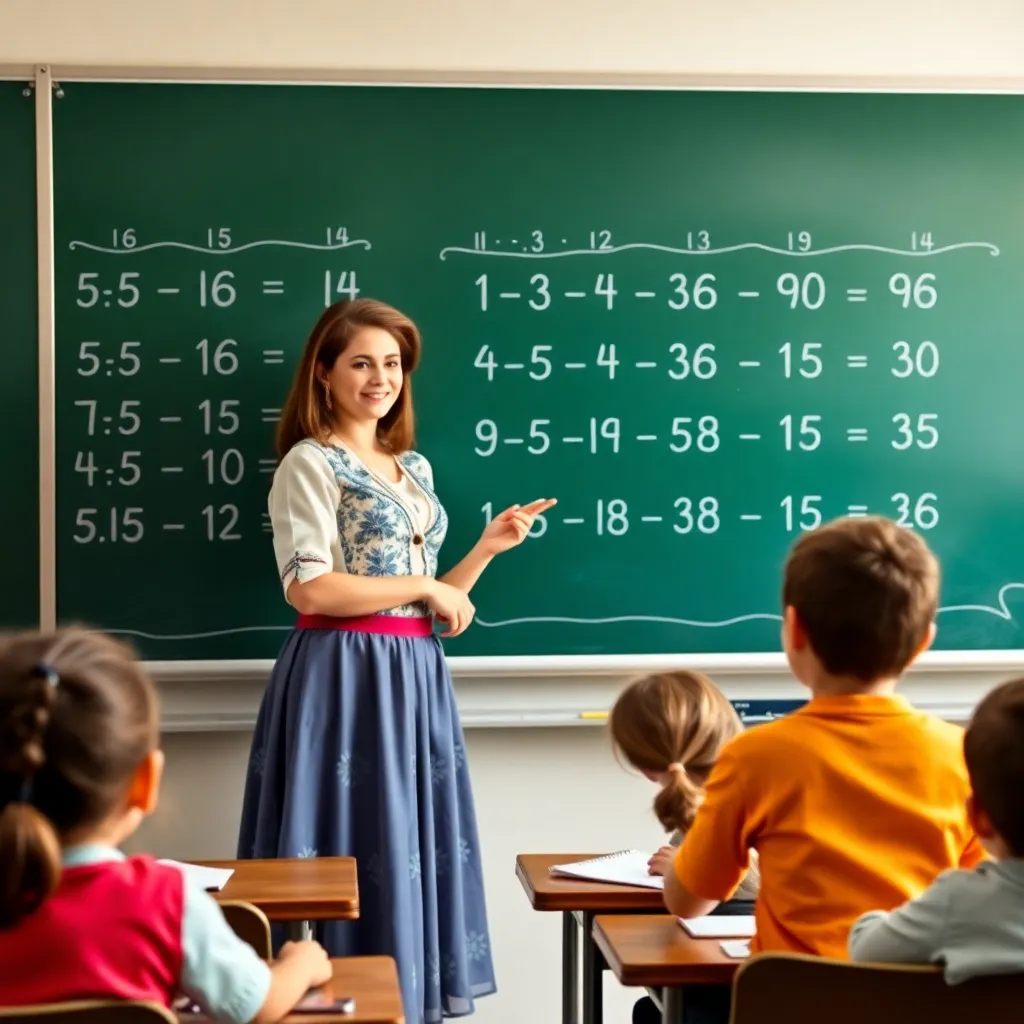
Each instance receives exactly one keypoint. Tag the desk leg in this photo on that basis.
(570, 969)
(672, 1005)
(593, 974)
(298, 931)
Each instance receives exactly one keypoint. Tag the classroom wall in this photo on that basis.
(537, 789)
(785, 37)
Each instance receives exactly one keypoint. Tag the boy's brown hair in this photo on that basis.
(994, 752)
(865, 592)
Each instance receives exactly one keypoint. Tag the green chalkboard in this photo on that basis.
(19, 417)
(700, 319)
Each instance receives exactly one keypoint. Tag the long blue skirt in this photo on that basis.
(358, 752)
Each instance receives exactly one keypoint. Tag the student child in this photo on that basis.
(971, 922)
(671, 727)
(856, 800)
(79, 769)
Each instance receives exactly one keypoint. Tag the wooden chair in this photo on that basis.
(810, 990)
(250, 924)
(92, 1011)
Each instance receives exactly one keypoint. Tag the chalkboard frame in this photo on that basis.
(47, 81)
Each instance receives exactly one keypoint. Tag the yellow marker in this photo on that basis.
(593, 714)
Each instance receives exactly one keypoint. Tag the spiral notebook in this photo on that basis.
(627, 867)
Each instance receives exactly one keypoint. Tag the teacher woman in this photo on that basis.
(358, 749)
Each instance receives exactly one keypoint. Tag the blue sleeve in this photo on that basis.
(219, 971)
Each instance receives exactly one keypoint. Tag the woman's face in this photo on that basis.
(366, 378)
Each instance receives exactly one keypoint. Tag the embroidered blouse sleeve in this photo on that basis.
(303, 507)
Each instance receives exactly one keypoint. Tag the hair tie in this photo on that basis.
(676, 768)
(46, 671)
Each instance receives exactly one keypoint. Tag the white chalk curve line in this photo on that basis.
(854, 246)
(198, 636)
(1002, 611)
(220, 252)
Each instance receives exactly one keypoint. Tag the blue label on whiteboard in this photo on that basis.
(753, 712)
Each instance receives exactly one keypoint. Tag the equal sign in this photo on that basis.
(647, 437)
(172, 469)
(857, 434)
(750, 437)
(169, 360)
(270, 415)
(857, 362)
(273, 356)
(857, 511)
(651, 519)
(265, 522)
(575, 295)
(749, 364)
(479, 240)
(750, 518)
(168, 291)
(174, 526)
(749, 295)
(515, 366)
(510, 295)
(573, 522)
(646, 366)
(273, 287)
(170, 419)
(856, 295)
(644, 295)
(268, 465)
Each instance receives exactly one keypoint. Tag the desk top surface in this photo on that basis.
(314, 888)
(551, 892)
(655, 950)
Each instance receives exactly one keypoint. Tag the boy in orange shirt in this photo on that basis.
(856, 801)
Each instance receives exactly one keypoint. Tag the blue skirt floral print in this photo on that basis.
(358, 750)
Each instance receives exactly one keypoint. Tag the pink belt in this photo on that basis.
(385, 625)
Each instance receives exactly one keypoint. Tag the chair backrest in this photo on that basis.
(250, 924)
(92, 1011)
(809, 990)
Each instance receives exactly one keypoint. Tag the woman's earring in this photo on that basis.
(327, 396)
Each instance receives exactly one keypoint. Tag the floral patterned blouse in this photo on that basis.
(331, 513)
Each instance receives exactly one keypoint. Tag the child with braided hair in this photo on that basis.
(79, 770)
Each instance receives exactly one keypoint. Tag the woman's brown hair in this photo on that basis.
(673, 723)
(306, 414)
(77, 718)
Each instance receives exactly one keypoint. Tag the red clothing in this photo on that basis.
(111, 930)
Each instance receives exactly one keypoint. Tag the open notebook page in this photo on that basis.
(627, 867)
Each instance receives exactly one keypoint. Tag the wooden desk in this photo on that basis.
(578, 902)
(656, 952)
(372, 981)
(296, 890)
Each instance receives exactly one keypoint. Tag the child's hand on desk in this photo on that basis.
(312, 957)
(661, 862)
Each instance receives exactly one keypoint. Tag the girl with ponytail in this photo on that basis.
(79, 769)
(670, 726)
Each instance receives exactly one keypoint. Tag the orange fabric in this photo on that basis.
(853, 803)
